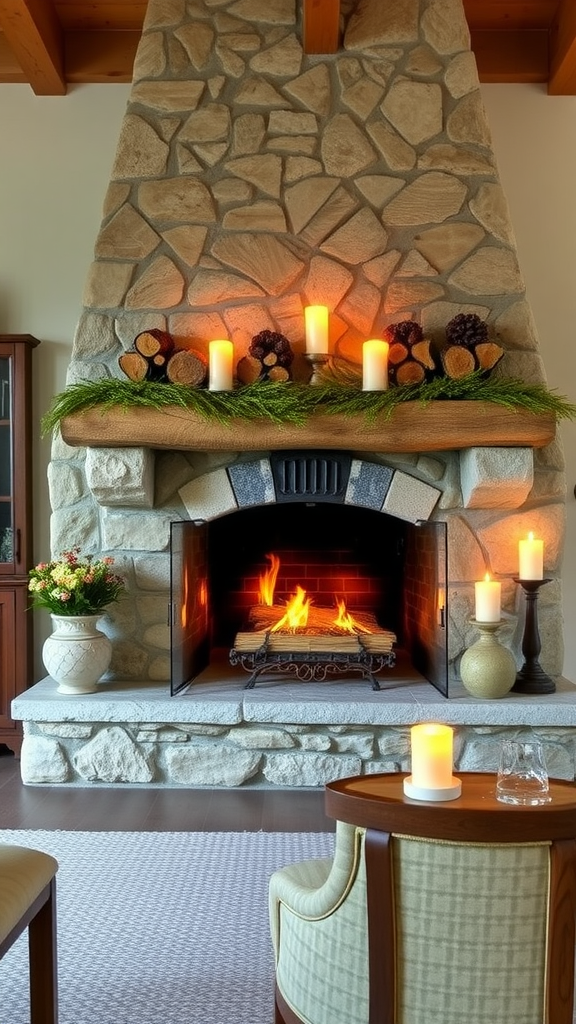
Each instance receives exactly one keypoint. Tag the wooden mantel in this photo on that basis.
(412, 427)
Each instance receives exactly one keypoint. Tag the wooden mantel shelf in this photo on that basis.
(412, 427)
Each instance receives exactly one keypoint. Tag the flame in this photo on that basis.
(267, 581)
(346, 621)
(296, 614)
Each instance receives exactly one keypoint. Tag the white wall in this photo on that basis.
(535, 141)
(55, 159)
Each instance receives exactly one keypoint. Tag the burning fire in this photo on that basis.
(267, 581)
(298, 606)
(296, 614)
(346, 621)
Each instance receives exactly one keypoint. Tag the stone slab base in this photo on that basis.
(285, 734)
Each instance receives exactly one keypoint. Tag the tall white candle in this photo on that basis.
(432, 755)
(316, 320)
(531, 557)
(375, 365)
(220, 370)
(488, 599)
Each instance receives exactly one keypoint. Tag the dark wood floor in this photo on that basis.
(156, 810)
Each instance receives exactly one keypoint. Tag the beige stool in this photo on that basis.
(28, 900)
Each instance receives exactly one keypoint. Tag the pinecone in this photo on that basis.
(466, 329)
(407, 332)
(270, 342)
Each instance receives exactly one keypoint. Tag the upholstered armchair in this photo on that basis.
(413, 928)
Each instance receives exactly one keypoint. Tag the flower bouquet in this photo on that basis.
(75, 586)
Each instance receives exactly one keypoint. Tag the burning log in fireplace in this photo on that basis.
(307, 641)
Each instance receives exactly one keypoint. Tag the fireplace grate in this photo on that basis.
(312, 666)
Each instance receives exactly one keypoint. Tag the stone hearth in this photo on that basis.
(280, 734)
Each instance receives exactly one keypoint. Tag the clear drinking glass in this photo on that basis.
(522, 776)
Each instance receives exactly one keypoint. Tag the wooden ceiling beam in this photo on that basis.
(10, 70)
(34, 33)
(100, 56)
(320, 26)
(49, 43)
(562, 80)
(511, 56)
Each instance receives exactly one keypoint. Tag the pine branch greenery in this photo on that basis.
(293, 403)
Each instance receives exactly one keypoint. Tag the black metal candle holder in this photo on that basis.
(532, 678)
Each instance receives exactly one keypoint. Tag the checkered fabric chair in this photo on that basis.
(28, 900)
(412, 930)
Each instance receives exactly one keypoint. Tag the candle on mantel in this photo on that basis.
(316, 319)
(531, 557)
(488, 598)
(375, 365)
(220, 371)
(432, 755)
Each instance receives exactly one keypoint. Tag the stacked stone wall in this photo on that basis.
(250, 180)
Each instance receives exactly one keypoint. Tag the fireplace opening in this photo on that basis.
(384, 571)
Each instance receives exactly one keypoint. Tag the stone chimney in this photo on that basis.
(251, 180)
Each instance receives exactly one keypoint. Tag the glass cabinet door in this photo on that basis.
(6, 468)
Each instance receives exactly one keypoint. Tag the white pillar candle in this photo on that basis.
(221, 359)
(375, 365)
(432, 755)
(316, 319)
(488, 598)
(531, 557)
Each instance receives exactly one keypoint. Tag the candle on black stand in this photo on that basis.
(532, 678)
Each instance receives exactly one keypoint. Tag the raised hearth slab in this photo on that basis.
(334, 703)
(281, 733)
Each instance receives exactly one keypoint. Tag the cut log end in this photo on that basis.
(134, 365)
(409, 372)
(154, 342)
(187, 367)
(278, 374)
(457, 361)
(249, 370)
(488, 355)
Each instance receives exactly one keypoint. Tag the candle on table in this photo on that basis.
(221, 358)
(531, 556)
(488, 598)
(432, 756)
(316, 319)
(375, 365)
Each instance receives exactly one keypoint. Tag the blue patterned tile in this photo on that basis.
(368, 484)
(252, 483)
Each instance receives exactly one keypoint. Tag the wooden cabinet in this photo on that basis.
(15, 525)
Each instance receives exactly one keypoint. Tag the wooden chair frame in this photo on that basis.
(40, 920)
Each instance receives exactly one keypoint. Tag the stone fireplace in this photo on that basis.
(332, 543)
(250, 180)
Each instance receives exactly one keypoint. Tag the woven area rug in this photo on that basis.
(160, 927)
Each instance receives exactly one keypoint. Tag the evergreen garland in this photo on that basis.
(292, 403)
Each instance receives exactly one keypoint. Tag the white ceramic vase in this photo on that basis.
(76, 654)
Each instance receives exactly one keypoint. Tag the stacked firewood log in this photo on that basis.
(269, 357)
(410, 357)
(154, 357)
(468, 348)
(413, 359)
